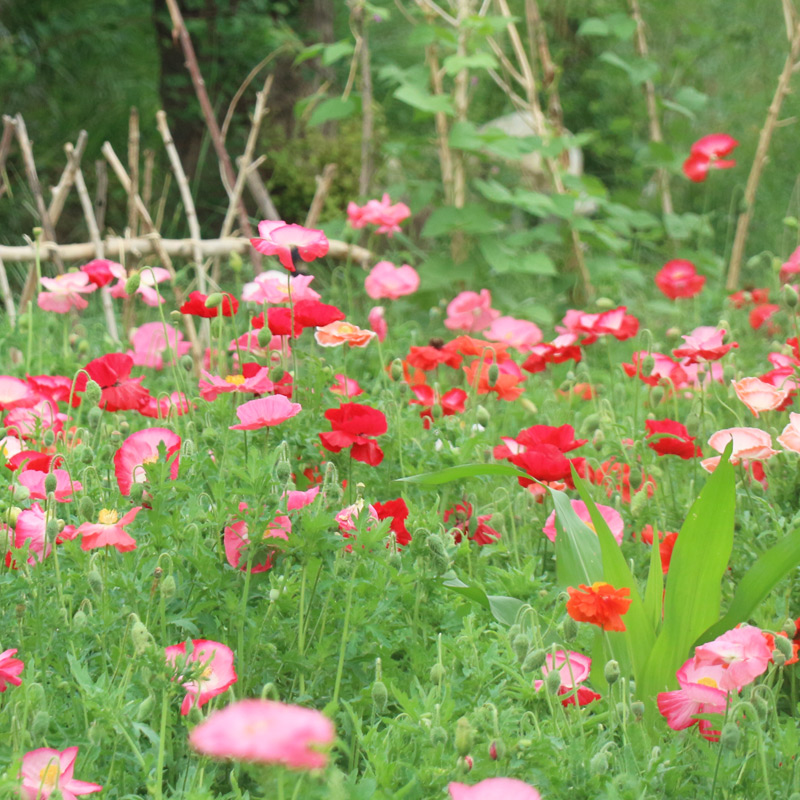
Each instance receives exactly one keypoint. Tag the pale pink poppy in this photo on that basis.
(266, 732)
(749, 444)
(471, 312)
(574, 668)
(703, 344)
(28, 423)
(44, 770)
(759, 396)
(64, 292)
(385, 280)
(288, 242)
(610, 515)
(34, 480)
(10, 669)
(10, 446)
(377, 322)
(108, 531)
(277, 287)
(265, 412)
(743, 654)
(517, 333)
(142, 448)
(378, 212)
(31, 528)
(790, 438)
(150, 344)
(149, 277)
(216, 660)
(346, 387)
(236, 540)
(15, 393)
(256, 381)
(494, 789)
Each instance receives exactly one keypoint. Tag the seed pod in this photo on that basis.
(464, 737)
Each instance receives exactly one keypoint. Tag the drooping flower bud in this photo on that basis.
(50, 483)
(464, 736)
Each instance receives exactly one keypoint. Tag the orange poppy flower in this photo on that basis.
(340, 332)
(601, 604)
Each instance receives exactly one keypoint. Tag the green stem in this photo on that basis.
(345, 632)
(162, 748)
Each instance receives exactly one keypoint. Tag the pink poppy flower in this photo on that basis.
(64, 292)
(346, 387)
(341, 332)
(574, 668)
(44, 770)
(759, 396)
(699, 694)
(749, 444)
(150, 345)
(615, 322)
(149, 277)
(790, 267)
(10, 669)
(237, 539)
(377, 322)
(494, 789)
(101, 271)
(517, 333)
(348, 518)
(166, 406)
(387, 280)
(265, 412)
(743, 654)
(679, 278)
(562, 348)
(55, 387)
(275, 287)
(34, 481)
(28, 423)
(253, 379)
(108, 531)
(378, 212)
(218, 674)
(296, 500)
(31, 528)
(707, 153)
(665, 370)
(703, 344)
(265, 732)
(470, 311)
(15, 393)
(142, 448)
(289, 242)
(610, 515)
(248, 343)
(790, 437)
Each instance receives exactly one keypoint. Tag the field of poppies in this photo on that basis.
(344, 541)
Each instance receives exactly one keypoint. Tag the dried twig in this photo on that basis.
(760, 160)
(8, 298)
(100, 193)
(367, 112)
(260, 194)
(60, 191)
(147, 187)
(323, 187)
(9, 128)
(133, 167)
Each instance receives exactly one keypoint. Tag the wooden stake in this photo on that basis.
(100, 193)
(61, 189)
(8, 298)
(323, 188)
(133, 167)
(9, 128)
(147, 189)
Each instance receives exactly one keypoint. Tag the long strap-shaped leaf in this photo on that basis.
(449, 474)
(577, 548)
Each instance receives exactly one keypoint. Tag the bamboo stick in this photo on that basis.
(100, 193)
(133, 167)
(61, 189)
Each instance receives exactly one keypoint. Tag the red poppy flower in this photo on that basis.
(196, 306)
(599, 604)
(506, 387)
(451, 402)
(615, 323)
(279, 322)
(616, 476)
(313, 314)
(562, 348)
(679, 278)
(464, 523)
(112, 373)
(668, 437)
(707, 153)
(397, 512)
(352, 424)
(762, 315)
(429, 357)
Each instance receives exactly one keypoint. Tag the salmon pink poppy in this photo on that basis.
(599, 604)
(759, 396)
(709, 153)
(236, 540)
(668, 437)
(385, 280)
(289, 242)
(64, 292)
(46, 770)
(610, 515)
(790, 436)
(216, 662)
(10, 669)
(265, 732)
(265, 412)
(378, 212)
(142, 448)
(109, 531)
(506, 386)
(341, 332)
(749, 444)
(493, 789)
(679, 278)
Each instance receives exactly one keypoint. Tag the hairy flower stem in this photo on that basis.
(301, 631)
(162, 746)
(345, 632)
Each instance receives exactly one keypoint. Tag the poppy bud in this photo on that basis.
(611, 672)
(637, 709)
(534, 660)
(283, 471)
(514, 630)
(761, 706)
(569, 629)
(137, 492)
(264, 336)
(599, 763)
(145, 708)
(168, 587)
(396, 370)
(438, 735)
(79, 620)
(464, 765)
(497, 749)
(49, 437)
(276, 373)
(591, 423)
(482, 416)
(19, 492)
(492, 374)
(656, 395)
(402, 388)
(552, 682)
(395, 560)
(639, 502)
(214, 300)
(784, 644)
(51, 530)
(789, 627)
(463, 737)
(729, 736)
(95, 580)
(647, 364)
(12, 515)
(598, 439)
(140, 636)
(605, 302)
(274, 594)
(132, 284)
(40, 724)
(380, 696)
(94, 416)
(778, 658)
(186, 362)
(520, 645)
(50, 483)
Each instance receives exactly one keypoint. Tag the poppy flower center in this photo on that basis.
(49, 776)
(708, 682)
(107, 517)
(591, 527)
(236, 380)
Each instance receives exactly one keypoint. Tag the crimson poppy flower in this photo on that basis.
(562, 348)
(668, 437)
(101, 271)
(600, 604)
(112, 372)
(679, 278)
(708, 153)
(762, 315)
(313, 314)
(451, 402)
(397, 512)
(289, 242)
(279, 322)
(428, 357)
(465, 523)
(352, 426)
(196, 306)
